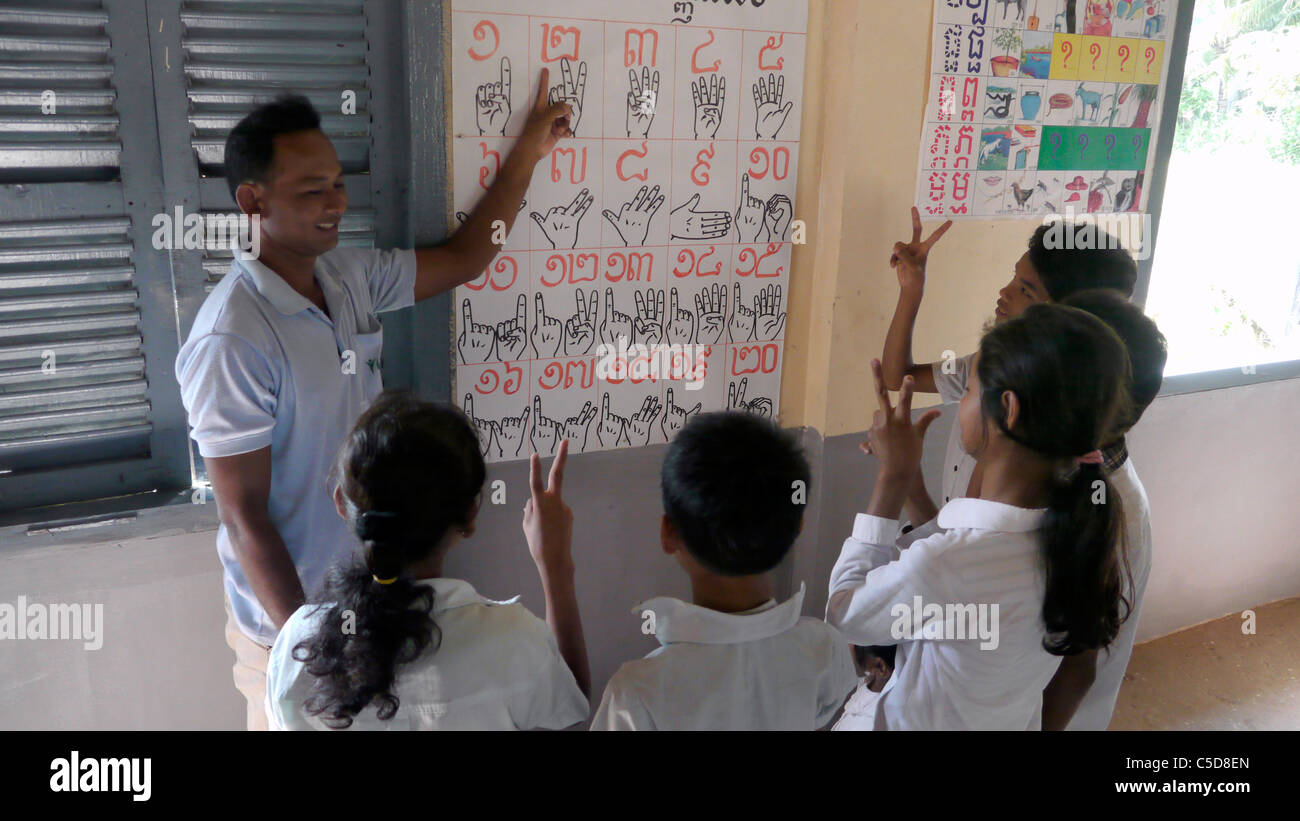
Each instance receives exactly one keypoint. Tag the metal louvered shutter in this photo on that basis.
(78, 404)
(233, 55)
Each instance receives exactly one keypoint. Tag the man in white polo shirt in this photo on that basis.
(285, 355)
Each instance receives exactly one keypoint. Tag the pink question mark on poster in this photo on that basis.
(1095, 51)
(1124, 54)
(1068, 50)
(1150, 54)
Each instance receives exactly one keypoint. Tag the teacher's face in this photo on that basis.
(303, 199)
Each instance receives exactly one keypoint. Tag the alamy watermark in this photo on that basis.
(1088, 231)
(239, 233)
(639, 362)
(950, 622)
(24, 621)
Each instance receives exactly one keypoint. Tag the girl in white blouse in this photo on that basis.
(985, 599)
(394, 645)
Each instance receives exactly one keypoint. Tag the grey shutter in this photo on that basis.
(87, 400)
(231, 55)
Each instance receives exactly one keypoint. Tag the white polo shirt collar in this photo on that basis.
(982, 514)
(449, 594)
(679, 622)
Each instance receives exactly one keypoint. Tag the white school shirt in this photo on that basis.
(958, 465)
(763, 669)
(264, 366)
(975, 552)
(497, 667)
(1098, 704)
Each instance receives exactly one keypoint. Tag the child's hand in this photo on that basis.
(909, 258)
(548, 522)
(893, 438)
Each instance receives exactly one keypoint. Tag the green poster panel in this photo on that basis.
(1079, 148)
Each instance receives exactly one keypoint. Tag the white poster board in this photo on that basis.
(666, 222)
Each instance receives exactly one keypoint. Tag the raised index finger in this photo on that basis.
(535, 475)
(905, 398)
(543, 89)
(882, 393)
(505, 76)
(938, 232)
(916, 225)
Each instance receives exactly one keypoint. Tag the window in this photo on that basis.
(1225, 281)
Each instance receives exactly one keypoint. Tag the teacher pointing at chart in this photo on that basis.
(284, 355)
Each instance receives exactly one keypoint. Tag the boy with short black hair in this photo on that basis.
(734, 492)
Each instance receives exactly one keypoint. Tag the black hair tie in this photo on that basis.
(375, 525)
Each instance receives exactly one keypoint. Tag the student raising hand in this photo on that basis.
(548, 527)
(897, 442)
(909, 258)
(548, 521)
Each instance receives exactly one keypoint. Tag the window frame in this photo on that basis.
(1200, 381)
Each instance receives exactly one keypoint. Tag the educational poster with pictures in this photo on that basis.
(1042, 106)
(646, 277)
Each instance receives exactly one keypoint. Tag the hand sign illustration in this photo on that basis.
(580, 330)
(689, 224)
(771, 114)
(633, 220)
(611, 431)
(711, 305)
(650, 317)
(771, 319)
(512, 334)
(485, 428)
(547, 333)
(560, 225)
(476, 342)
(571, 90)
(492, 103)
(680, 326)
(545, 433)
(511, 432)
(675, 418)
(760, 405)
(616, 323)
(751, 216)
(741, 328)
(641, 423)
(709, 94)
(641, 102)
(577, 427)
(778, 216)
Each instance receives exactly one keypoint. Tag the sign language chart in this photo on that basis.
(646, 278)
(1038, 107)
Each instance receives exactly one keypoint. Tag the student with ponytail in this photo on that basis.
(1031, 570)
(391, 643)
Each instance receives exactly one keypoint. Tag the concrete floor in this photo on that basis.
(1213, 677)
